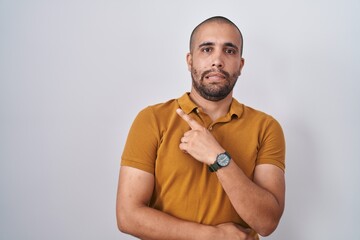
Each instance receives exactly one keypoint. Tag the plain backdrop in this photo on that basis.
(74, 74)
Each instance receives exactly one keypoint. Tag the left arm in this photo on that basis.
(260, 203)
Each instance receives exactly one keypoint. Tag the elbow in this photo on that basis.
(121, 225)
(266, 231)
(122, 222)
(124, 226)
(268, 228)
(269, 224)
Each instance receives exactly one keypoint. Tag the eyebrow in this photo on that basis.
(206, 44)
(227, 44)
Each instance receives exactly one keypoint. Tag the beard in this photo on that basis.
(213, 91)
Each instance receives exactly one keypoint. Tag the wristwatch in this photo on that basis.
(222, 160)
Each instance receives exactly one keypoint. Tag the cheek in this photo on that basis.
(197, 64)
(237, 70)
(190, 67)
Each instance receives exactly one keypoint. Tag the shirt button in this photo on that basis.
(197, 110)
(210, 128)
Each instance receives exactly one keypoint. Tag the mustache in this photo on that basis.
(226, 74)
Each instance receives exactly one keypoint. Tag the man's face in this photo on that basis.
(215, 60)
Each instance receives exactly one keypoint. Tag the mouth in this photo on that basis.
(215, 76)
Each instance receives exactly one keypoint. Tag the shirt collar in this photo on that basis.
(187, 105)
(236, 109)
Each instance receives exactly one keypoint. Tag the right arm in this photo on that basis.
(135, 217)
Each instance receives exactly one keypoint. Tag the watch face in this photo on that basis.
(223, 159)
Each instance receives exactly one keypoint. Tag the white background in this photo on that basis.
(73, 75)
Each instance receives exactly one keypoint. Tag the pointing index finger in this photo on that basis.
(192, 123)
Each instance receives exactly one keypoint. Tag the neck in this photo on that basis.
(215, 109)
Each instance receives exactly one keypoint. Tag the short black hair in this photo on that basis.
(219, 19)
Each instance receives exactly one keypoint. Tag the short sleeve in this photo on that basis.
(142, 142)
(272, 145)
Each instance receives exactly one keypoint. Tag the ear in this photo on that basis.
(189, 61)
(242, 62)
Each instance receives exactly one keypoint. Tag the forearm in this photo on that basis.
(258, 207)
(150, 224)
(135, 217)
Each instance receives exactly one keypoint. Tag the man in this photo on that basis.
(204, 166)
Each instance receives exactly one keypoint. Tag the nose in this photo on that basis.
(218, 61)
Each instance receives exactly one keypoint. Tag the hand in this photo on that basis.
(234, 232)
(199, 142)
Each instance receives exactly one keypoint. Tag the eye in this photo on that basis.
(206, 49)
(230, 51)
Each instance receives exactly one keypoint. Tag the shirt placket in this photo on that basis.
(207, 122)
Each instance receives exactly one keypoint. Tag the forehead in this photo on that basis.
(218, 33)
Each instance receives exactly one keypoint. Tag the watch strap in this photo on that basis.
(214, 167)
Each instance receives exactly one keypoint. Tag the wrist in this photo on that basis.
(222, 160)
(213, 155)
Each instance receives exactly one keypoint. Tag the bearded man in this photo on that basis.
(204, 166)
